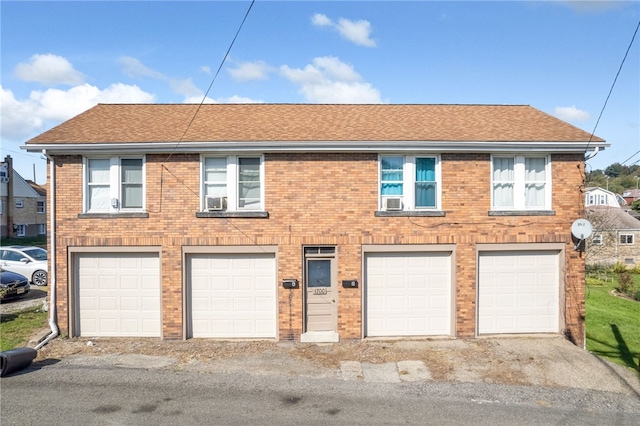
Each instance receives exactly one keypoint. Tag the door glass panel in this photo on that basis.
(318, 273)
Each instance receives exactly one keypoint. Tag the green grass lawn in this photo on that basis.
(613, 325)
(16, 329)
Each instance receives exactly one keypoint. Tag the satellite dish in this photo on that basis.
(581, 229)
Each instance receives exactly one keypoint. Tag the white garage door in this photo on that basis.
(233, 295)
(408, 294)
(118, 294)
(518, 292)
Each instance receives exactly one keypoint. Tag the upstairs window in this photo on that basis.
(114, 184)
(521, 183)
(409, 183)
(233, 183)
(40, 207)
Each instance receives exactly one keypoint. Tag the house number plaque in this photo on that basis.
(319, 291)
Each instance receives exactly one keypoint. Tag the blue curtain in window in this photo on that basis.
(426, 182)
(392, 176)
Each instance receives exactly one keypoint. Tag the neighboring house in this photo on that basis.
(631, 195)
(316, 222)
(23, 204)
(615, 237)
(595, 196)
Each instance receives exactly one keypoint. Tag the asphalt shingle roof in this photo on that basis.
(113, 123)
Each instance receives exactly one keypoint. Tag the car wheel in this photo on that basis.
(39, 278)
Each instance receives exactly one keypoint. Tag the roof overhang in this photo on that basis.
(312, 146)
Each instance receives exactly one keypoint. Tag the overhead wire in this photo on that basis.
(633, 37)
(612, 86)
(204, 98)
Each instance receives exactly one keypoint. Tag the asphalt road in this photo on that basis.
(64, 394)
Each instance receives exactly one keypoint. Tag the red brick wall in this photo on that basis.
(317, 199)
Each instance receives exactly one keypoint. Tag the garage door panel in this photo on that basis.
(408, 294)
(240, 292)
(118, 294)
(518, 292)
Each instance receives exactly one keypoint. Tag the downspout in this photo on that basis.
(593, 154)
(55, 331)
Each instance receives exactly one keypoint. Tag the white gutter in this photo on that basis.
(313, 146)
(55, 331)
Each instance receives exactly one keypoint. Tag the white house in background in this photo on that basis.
(595, 196)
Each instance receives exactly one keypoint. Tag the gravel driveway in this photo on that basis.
(549, 361)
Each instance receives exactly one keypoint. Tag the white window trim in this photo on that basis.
(597, 239)
(21, 230)
(44, 207)
(42, 229)
(115, 184)
(408, 196)
(519, 197)
(633, 240)
(19, 204)
(232, 182)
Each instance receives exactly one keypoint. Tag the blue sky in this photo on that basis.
(61, 58)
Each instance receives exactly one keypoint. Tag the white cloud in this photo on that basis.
(358, 32)
(205, 69)
(49, 69)
(17, 117)
(572, 114)
(22, 118)
(321, 20)
(257, 70)
(235, 99)
(328, 80)
(589, 6)
(185, 87)
(134, 68)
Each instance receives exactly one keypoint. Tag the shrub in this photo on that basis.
(625, 282)
(595, 281)
(620, 268)
(637, 295)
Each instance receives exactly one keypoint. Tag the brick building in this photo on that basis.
(316, 222)
(23, 204)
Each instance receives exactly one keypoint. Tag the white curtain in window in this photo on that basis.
(99, 198)
(535, 176)
(215, 177)
(503, 182)
(98, 190)
(249, 183)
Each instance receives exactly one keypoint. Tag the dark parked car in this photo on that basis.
(13, 285)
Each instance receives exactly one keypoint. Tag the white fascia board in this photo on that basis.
(312, 146)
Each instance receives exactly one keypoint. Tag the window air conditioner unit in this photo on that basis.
(4, 179)
(216, 203)
(393, 203)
